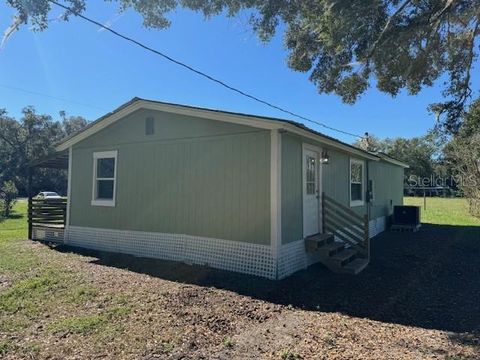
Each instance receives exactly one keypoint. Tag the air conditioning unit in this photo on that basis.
(406, 215)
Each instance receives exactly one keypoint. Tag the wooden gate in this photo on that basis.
(47, 219)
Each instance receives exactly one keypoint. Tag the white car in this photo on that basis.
(48, 195)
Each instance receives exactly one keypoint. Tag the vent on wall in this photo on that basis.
(149, 126)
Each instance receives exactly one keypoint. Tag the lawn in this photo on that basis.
(16, 226)
(418, 299)
(444, 211)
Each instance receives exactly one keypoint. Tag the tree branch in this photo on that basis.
(471, 54)
(447, 6)
(387, 27)
(7, 140)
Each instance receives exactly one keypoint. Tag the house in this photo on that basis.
(239, 192)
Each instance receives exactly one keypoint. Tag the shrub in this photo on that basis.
(8, 197)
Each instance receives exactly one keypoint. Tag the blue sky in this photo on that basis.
(97, 72)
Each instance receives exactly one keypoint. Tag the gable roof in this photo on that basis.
(392, 160)
(212, 114)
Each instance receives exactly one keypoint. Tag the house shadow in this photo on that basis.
(428, 279)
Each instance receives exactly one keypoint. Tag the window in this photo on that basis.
(104, 178)
(356, 182)
(310, 177)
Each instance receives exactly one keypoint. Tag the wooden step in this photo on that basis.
(355, 266)
(314, 242)
(331, 249)
(344, 257)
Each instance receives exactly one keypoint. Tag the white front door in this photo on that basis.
(311, 192)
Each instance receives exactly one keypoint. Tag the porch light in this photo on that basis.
(325, 159)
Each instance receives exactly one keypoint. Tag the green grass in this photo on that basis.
(4, 347)
(44, 292)
(15, 227)
(444, 211)
(22, 296)
(87, 324)
(289, 355)
(43, 287)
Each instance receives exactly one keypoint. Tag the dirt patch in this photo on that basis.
(418, 299)
(5, 282)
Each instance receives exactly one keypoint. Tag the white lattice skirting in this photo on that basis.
(221, 254)
(293, 257)
(217, 253)
(47, 234)
(377, 226)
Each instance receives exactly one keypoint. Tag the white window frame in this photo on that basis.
(96, 157)
(354, 203)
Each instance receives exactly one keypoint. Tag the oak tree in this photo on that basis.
(345, 46)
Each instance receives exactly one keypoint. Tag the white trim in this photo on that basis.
(69, 185)
(330, 142)
(104, 155)
(110, 203)
(242, 257)
(393, 161)
(276, 192)
(355, 203)
(318, 151)
(169, 108)
(253, 121)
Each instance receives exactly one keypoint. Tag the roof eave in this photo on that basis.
(249, 120)
(394, 161)
(330, 142)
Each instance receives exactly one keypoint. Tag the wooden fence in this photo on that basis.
(47, 213)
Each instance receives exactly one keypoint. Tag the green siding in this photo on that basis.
(388, 180)
(168, 127)
(292, 202)
(336, 179)
(388, 188)
(193, 176)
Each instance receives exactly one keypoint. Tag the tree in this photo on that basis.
(420, 153)
(72, 124)
(369, 143)
(8, 197)
(31, 138)
(344, 45)
(463, 154)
